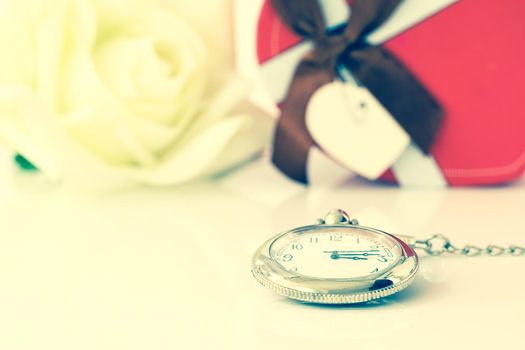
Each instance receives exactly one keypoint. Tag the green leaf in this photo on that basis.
(24, 164)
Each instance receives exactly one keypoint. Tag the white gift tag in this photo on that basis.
(352, 127)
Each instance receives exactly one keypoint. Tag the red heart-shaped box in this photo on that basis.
(470, 56)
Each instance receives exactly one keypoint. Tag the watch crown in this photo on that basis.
(337, 217)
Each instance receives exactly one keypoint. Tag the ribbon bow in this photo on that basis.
(373, 66)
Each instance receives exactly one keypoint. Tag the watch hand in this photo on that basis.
(335, 255)
(358, 251)
(351, 258)
(353, 253)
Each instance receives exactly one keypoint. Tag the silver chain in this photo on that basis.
(439, 244)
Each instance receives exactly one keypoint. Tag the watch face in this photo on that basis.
(334, 252)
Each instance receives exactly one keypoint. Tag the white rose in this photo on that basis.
(98, 91)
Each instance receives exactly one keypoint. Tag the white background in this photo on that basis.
(170, 268)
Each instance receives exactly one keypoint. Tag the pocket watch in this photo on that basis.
(338, 261)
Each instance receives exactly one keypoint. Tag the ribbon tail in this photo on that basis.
(399, 92)
(292, 141)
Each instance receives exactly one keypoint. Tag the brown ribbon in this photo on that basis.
(373, 66)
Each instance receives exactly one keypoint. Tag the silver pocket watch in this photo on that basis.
(338, 261)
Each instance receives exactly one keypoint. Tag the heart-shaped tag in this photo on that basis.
(352, 127)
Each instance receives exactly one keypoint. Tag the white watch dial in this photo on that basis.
(333, 253)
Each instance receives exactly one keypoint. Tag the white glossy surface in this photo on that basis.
(169, 269)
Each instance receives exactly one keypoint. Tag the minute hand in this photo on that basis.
(354, 255)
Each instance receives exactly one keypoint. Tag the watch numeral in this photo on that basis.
(297, 246)
(336, 237)
(314, 239)
(287, 257)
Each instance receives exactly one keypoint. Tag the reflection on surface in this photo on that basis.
(434, 269)
(170, 268)
(277, 318)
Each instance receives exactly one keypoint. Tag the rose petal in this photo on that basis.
(195, 158)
